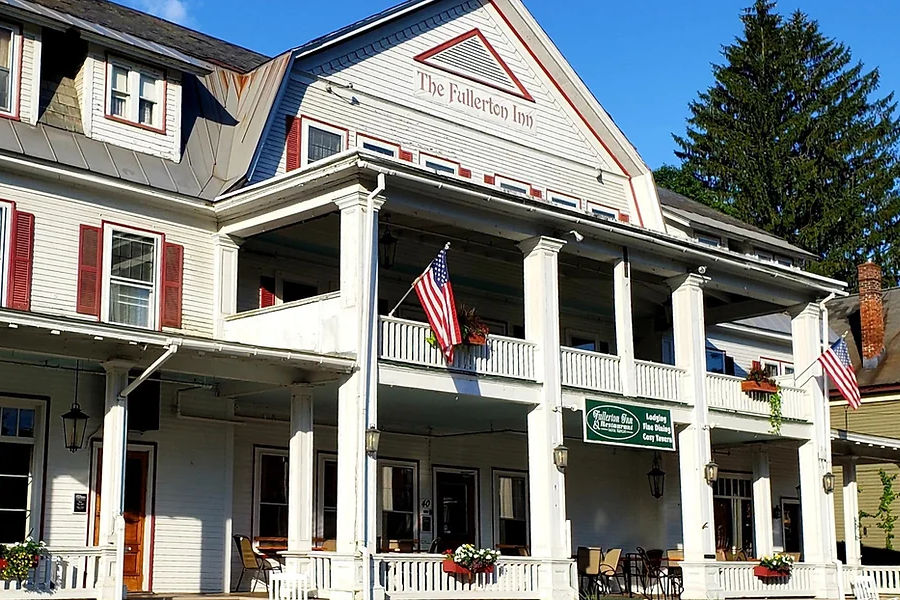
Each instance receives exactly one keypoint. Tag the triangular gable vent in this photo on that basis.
(471, 56)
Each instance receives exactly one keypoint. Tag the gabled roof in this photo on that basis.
(147, 27)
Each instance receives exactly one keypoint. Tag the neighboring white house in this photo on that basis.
(203, 248)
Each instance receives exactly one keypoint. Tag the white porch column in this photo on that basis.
(547, 484)
(851, 513)
(357, 399)
(698, 522)
(226, 282)
(112, 481)
(624, 326)
(300, 478)
(762, 504)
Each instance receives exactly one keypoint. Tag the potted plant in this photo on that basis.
(473, 329)
(19, 558)
(775, 566)
(758, 381)
(468, 561)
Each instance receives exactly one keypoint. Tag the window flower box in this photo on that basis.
(767, 573)
(759, 386)
(456, 569)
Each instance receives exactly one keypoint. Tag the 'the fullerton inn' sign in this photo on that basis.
(467, 98)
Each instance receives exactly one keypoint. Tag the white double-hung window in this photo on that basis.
(135, 94)
(9, 44)
(131, 280)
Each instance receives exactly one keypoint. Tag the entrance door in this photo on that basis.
(137, 463)
(456, 507)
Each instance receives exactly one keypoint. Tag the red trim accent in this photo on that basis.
(266, 291)
(406, 155)
(489, 179)
(171, 285)
(90, 272)
(292, 131)
(467, 173)
(163, 101)
(21, 261)
(536, 193)
(572, 104)
(320, 122)
(424, 56)
(624, 217)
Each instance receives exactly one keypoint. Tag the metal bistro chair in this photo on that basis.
(654, 579)
(251, 560)
(610, 571)
(588, 561)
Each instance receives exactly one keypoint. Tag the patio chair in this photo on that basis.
(588, 562)
(251, 560)
(655, 579)
(864, 588)
(435, 547)
(610, 571)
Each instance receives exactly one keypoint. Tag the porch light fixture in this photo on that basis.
(657, 478)
(373, 436)
(711, 472)
(387, 248)
(561, 457)
(75, 422)
(828, 482)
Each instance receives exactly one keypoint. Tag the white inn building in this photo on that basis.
(201, 247)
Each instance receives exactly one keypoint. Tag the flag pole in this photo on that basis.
(413, 285)
(825, 345)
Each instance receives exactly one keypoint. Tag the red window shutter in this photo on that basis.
(172, 279)
(490, 179)
(406, 155)
(536, 193)
(292, 143)
(90, 255)
(624, 218)
(266, 292)
(467, 173)
(21, 260)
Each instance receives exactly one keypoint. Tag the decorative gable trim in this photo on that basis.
(471, 56)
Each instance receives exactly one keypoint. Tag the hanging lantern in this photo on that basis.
(657, 478)
(373, 437)
(828, 482)
(387, 248)
(711, 472)
(75, 422)
(561, 457)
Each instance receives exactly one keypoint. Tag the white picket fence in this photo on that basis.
(590, 370)
(405, 341)
(724, 392)
(657, 381)
(421, 576)
(737, 580)
(70, 573)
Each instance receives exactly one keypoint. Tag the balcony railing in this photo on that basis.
(736, 580)
(590, 370)
(407, 342)
(724, 392)
(63, 573)
(655, 380)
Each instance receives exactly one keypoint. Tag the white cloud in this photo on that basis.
(171, 10)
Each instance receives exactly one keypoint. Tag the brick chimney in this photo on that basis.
(871, 314)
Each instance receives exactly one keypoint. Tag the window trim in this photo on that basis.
(593, 207)
(562, 200)
(362, 138)
(305, 123)
(496, 474)
(425, 157)
(775, 361)
(15, 76)
(499, 180)
(107, 230)
(379, 500)
(735, 499)
(135, 70)
(34, 521)
(258, 452)
(709, 236)
(7, 213)
(321, 458)
(711, 350)
(476, 474)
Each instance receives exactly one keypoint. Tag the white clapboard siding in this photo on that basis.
(29, 86)
(164, 145)
(556, 155)
(746, 349)
(58, 214)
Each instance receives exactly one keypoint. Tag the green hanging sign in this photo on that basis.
(628, 425)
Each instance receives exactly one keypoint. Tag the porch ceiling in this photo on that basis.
(866, 449)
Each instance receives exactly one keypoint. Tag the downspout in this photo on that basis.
(368, 325)
(154, 366)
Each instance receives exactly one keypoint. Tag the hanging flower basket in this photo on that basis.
(777, 566)
(468, 561)
(767, 573)
(766, 387)
(456, 569)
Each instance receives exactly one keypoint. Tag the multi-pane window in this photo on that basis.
(327, 486)
(8, 44)
(511, 504)
(322, 143)
(733, 508)
(398, 505)
(135, 95)
(133, 278)
(4, 245)
(17, 431)
(272, 483)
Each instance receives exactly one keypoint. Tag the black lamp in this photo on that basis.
(75, 422)
(828, 482)
(657, 478)
(387, 247)
(561, 457)
(711, 472)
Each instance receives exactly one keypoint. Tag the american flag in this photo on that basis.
(436, 295)
(836, 362)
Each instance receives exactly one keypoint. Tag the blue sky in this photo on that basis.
(644, 60)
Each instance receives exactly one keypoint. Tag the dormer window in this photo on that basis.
(136, 94)
(9, 77)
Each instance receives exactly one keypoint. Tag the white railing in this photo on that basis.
(590, 370)
(421, 576)
(71, 573)
(658, 381)
(736, 580)
(406, 342)
(319, 571)
(887, 578)
(724, 392)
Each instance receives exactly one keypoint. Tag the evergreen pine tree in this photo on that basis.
(791, 139)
